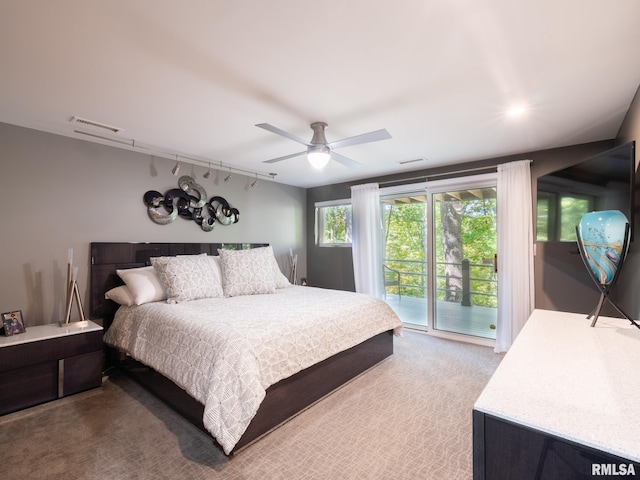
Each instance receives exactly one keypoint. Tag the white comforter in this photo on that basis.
(225, 352)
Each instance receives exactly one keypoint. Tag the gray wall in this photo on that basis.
(59, 193)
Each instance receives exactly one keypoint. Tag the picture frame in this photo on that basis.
(13, 323)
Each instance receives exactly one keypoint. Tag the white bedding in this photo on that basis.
(226, 352)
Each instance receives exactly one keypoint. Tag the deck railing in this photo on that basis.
(409, 278)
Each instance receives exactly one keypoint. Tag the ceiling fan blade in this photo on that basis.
(279, 159)
(363, 138)
(341, 159)
(282, 133)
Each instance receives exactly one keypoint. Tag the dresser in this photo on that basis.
(563, 403)
(48, 362)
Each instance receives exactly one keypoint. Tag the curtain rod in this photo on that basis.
(442, 174)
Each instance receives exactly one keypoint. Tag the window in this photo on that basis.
(333, 223)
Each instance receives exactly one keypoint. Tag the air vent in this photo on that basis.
(405, 162)
(91, 123)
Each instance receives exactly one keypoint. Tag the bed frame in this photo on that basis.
(283, 400)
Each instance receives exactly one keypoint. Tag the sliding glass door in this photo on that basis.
(463, 240)
(440, 256)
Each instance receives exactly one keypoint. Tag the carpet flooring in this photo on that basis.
(407, 418)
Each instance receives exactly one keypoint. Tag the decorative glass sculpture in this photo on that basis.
(603, 236)
(603, 241)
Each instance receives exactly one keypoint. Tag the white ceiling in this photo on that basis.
(193, 77)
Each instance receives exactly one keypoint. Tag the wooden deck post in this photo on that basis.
(466, 284)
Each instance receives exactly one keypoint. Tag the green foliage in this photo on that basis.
(479, 230)
(405, 236)
(336, 223)
(405, 242)
(479, 240)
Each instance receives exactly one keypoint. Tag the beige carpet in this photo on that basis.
(407, 418)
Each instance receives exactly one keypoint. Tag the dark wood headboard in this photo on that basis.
(106, 257)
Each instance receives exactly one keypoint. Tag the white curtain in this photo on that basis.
(515, 247)
(366, 238)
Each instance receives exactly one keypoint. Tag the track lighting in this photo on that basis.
(131, 144)
(255, 182)
(176, 168)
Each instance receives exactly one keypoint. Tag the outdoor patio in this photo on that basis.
(450, 316)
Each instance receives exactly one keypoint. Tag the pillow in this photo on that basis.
(121, 295)
(247, 272)
(215, 263)
(144, 285)
(188, 277)
(217, 270)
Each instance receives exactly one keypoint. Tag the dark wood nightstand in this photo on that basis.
(49, 362)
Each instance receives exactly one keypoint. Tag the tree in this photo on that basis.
(337, 223)
(472, 238)
(451, 231)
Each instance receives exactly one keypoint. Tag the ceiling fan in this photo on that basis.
(319, 151)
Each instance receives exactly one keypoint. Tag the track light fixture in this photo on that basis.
(131, 144)
(255, 182)
(176, 169)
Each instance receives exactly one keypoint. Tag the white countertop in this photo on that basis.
(45, 332)
(576, 382)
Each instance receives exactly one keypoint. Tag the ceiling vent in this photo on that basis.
(405, 162)
(90, 123)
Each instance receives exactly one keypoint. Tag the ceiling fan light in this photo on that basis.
(319, 156)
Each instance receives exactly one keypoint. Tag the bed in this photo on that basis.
(235, 362)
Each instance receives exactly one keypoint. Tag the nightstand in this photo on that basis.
(48, 362)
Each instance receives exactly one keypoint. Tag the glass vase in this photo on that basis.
(602, 235)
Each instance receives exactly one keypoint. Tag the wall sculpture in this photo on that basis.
(189, 201)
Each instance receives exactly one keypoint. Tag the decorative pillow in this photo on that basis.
(215, 264)
(247, 272)
(144, 285)
(188, 277)
(121, 295)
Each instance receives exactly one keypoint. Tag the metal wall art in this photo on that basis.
(189, 202)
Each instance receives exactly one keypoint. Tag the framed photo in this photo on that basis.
(13, 323)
